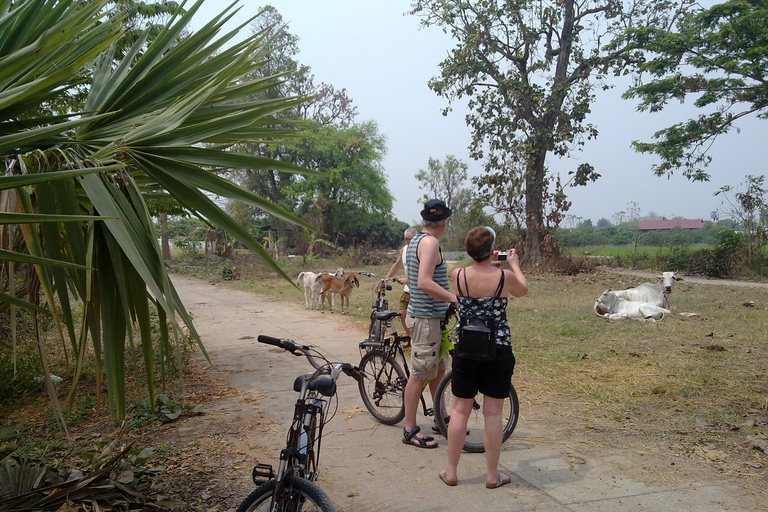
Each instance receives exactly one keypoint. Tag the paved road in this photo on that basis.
(365, 467)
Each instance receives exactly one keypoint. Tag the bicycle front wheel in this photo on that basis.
(299, 495)
(382, 387)
(476, 424)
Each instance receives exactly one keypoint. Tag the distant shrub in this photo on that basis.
(228, 272)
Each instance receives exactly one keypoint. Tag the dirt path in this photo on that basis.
(559, 462)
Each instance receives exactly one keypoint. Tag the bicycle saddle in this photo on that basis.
(323, 385)
(387, 315)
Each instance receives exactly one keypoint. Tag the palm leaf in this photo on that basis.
(22, 303)
(8, 182)
(35, 218)
(158, 120)
(26, 258)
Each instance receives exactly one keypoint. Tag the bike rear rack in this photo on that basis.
(369, 344)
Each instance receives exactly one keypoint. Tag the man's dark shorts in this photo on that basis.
(491, 378)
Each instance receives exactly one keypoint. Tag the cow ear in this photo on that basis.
(678, 279)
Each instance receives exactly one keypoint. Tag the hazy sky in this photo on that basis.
(384, 61)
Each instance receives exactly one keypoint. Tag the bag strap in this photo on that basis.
(458, 281)
(499, 288)
(501, 285)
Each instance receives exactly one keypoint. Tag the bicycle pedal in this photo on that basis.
(262, 473)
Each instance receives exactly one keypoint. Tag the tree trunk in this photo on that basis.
(164, 245)
(534, 211)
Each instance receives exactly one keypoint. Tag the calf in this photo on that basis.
(339, 273)
(341, 285)
(612, 307)
(655, 293)
(313, 288)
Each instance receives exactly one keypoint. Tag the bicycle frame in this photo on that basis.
(391, 348)
(301, 456)
(377, 327)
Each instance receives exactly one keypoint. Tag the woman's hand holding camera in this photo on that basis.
(512, 258)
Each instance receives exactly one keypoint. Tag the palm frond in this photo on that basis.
(159, 119)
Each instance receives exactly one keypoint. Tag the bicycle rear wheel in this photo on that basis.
(382, 387)
(300, 495)
(476, 423)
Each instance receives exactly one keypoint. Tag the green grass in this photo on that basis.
(619, 250)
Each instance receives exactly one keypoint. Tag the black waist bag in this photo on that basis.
(476, 338)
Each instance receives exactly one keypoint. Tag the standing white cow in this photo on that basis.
(313, 288)
(655, 293)
(610, 306)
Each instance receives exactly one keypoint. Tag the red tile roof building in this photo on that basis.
(665, 225)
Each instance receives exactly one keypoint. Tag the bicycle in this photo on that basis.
(383, 362)
(382, 389)
(292, 487)
(476, 424)
(378, 327)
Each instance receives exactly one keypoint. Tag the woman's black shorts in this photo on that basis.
(491, 378)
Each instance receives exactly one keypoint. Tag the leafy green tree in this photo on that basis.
(750, 209)
(346, 202)
(603, 223)
(718, 55)
(529, 69)
(72, 194)
(325, 105)
(443, 180)
(678, 237)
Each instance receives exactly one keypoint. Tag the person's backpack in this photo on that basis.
(476, 334)
(476, 338)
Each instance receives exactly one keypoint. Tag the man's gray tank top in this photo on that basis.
(422, 305)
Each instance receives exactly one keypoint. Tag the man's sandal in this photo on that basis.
(421, 442)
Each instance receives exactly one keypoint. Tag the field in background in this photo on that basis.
(617, 250)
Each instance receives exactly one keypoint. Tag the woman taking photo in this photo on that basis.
(482, 290)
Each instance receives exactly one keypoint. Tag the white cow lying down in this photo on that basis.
(656, 293)
(610, 306)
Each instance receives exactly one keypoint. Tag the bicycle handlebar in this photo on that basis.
(286, 344)
(370, 274)
(298, 349)
(450, 311)
(352, 371)
(291, 346)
